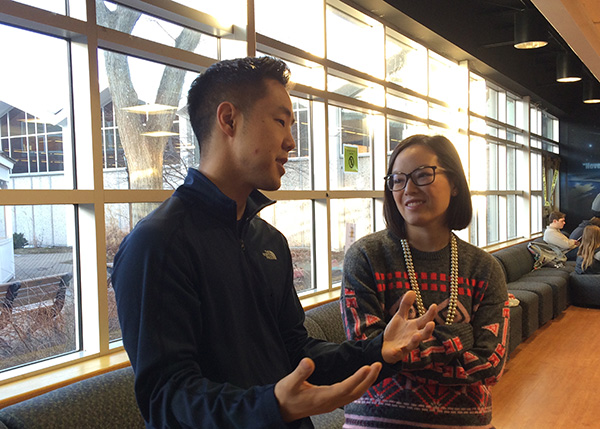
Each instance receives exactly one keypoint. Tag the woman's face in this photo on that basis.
(423, 206)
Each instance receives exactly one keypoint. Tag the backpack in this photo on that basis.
(546, 255)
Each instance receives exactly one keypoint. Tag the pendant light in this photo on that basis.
(591, 91)
(568, 68)
(530, 30)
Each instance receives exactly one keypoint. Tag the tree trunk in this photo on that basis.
(144, 154)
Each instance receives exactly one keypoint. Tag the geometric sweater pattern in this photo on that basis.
(445, 382)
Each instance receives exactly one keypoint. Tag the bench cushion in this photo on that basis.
(515, 260)
(103, 401)
(530, 303)
(333, 420)
(548, 272)
(515, 328)
(559, 290)
(325, 322)
(585, 290)
(544, 293)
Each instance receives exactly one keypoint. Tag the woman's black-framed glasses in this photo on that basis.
(422, 176)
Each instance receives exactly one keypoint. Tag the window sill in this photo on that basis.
(43, 382)
(319, 299)
(495, 247)
(30, 386)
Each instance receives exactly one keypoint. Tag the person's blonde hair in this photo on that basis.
(590, 242)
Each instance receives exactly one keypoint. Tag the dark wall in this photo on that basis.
(579, 171)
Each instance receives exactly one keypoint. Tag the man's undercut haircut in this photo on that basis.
(240, 81)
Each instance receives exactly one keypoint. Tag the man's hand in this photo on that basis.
(402, 334)
(297, 398)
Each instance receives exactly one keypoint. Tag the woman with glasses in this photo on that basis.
(446, 381)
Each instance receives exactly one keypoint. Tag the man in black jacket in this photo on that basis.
(209, 315)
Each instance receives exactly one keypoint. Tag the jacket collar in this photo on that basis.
(198, 188)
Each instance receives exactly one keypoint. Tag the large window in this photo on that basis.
(94, 134)
(35, 111)
(56, 6)
(406, 62)
(350, 220)
(295, 220)
(36, 146)
(273, 20)
(350, 130)
(354, 39)
(143, 128)
(39, 284)
(299, 168)
(502, 141)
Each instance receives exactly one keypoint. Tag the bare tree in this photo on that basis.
(144, 154)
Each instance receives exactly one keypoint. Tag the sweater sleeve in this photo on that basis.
(151, 279)
(333, 362)
(462, 353)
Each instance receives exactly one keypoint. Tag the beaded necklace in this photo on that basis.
(453, 278)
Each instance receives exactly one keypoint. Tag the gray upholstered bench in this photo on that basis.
(517, 263)
(103, 401)
(530, 302)
(585, 289)
(325, 323)
(515, 333)
(545, 297)
(558, 280)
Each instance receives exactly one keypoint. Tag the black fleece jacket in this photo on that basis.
(209, 315)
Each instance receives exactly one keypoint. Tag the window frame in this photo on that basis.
(89, 197)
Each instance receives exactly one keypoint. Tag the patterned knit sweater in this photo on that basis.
(445, 382)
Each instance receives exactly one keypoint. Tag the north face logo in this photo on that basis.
(268, 254)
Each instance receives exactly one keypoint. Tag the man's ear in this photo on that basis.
(227, 116)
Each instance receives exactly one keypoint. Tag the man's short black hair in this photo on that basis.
(240, 81)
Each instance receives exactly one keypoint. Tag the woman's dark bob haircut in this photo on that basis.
(460, 209)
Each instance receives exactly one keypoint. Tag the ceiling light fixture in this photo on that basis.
(568, 68)
(31, 120)
(150, 109)
(159, 134)
(591, 91)
(530, 30)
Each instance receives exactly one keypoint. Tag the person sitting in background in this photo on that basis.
(554, 236)
(577, 232)
(588, 255)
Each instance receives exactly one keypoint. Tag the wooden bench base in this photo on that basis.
(46, 294)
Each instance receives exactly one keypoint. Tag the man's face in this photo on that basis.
(263, 145)
(560, 223)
